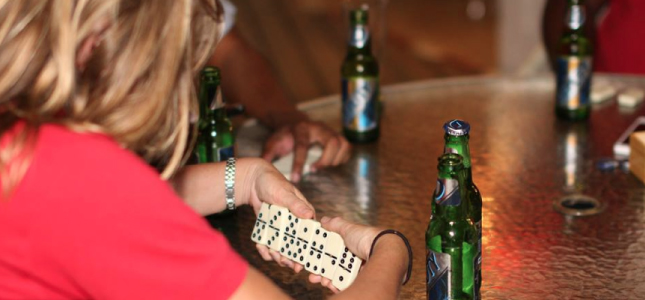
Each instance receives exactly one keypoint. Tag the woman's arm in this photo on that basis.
(256, 181)
(382, 276)
(202, 186)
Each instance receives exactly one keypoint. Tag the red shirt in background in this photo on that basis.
(92, 220)
(620, 44)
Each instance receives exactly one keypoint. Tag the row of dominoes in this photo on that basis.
(304, 241)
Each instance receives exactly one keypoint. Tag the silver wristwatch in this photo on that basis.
(229, 183)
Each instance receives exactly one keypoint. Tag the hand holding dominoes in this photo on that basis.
(305, 242)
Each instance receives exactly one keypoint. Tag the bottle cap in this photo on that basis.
(456, 127)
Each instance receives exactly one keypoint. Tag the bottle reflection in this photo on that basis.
(362, 181)
(575, 141)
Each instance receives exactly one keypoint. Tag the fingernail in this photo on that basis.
(295, 177)
(324, 220)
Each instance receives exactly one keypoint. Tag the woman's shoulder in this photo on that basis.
(81, 163)
(58, 145)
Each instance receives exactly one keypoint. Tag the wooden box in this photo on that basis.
(637, 154)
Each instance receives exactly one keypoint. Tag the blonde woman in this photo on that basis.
(91, 93)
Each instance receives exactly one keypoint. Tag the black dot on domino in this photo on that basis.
(342, 261)
(321, 247)
(260, 215)
(322, 270)
(351, 260)
(344, 255)
(308, 264)
(287, 245)
(318, 256)
(297, 220)
(302, 258)
(279, 213)
(325, 235)
(284, 239)
(282, 249)
(253, 235)
(293, 232)
(305, 229)
(346, 249)
(298, 243)
(263, 226)
(299, 251)
(269, 243)
(340, 278)
(311, 253)
(289, 254)
(317, 231)
(315, 268)
(289, 217)
(314, 243)
(277, 233)
(275, 218)
(291, 242)
(350, 266)
(333, 262)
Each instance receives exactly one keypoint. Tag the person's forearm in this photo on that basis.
(202, 186)
(247, 78)
(382, 276)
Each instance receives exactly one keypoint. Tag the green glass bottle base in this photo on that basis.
(579, 114)
(361, 137)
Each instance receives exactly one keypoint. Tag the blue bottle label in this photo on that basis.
(360, 96)
(225, 153)
(573, 81)
(437, 275)
(447, 192)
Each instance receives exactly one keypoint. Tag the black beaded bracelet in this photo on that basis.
(407, 244)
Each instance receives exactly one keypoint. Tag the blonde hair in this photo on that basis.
(137, 86)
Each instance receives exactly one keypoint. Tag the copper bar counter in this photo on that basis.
(523, 160)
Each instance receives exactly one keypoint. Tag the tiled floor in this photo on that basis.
(305, 41)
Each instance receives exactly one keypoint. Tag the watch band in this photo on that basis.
(229, 183)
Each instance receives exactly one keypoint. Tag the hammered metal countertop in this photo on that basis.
(523, 160)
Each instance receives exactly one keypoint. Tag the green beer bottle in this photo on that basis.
(215, 138)
(456, 138)
(360, 83)
(574, 67)
(451, 237)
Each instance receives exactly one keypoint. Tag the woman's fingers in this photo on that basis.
(264, 252)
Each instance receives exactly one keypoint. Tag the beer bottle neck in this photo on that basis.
(207, 95)
(459, 145)
(576, 16)
(450, 196)
(359, 40)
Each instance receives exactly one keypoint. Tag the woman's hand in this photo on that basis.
(358, 239)
(266, 184)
